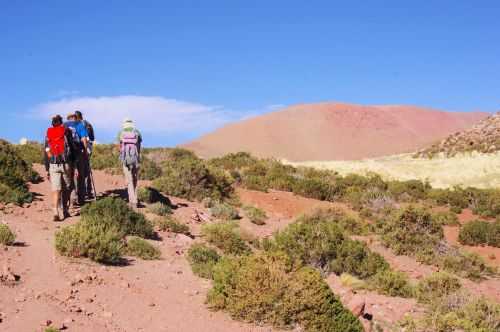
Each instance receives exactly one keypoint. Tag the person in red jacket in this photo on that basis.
(58, 158)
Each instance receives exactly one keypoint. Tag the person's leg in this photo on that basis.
(65, 191)
(55, 179)
(135, 175)
(80, 180)
(127, 172)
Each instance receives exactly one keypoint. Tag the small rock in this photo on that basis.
(125, 284)
(152, 304)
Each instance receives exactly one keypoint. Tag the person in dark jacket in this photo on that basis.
(89, 190)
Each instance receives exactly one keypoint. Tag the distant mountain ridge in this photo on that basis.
(335, 131)
(483, 137)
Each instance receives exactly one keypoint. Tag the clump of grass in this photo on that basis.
(202, 260)
(265, 288)
(141, 248)
(436, 286)
(7, 237)
(160, 209)
(479, 232)
(172, 225)
(225, 236)
(255, 215)
(392, 283)
(224, 211)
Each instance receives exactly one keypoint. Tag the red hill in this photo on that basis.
(335, 131)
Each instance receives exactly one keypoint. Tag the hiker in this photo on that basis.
(58, 157)
(79, 139)
(88, 185)
(130, 140)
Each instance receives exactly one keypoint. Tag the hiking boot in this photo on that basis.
(66, 214)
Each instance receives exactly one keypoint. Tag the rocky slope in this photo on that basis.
(484, 137)
(335, 131)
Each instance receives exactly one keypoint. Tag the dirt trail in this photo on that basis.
(144, 296)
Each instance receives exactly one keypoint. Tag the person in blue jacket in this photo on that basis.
(79, 145)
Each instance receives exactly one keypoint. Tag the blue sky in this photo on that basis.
(183, 68)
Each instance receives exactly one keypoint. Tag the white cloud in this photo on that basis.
(151, 114)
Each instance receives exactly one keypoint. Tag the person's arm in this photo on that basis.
(46, 151)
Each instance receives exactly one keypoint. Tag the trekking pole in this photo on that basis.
(93, 184)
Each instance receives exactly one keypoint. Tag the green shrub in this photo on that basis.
(392, 283)
(148, 169)
(189, 177)
(14, 175)
(480, 232)
(106, 157)
(150, 195)
(448, 218)
(463, 263)
(264, 288)
(202, 260)
(51, 329)
(114, 212)
(141, 248)
(160, 209)
(224, 236)
(436, 286)
(350, 224)
(457, 198)
(408, 191)
(458, 311)
(355, 258)
(172, 225)
(485, 202)
(31, 152)
(234, 161)
(7, 237)
(224, 211)
(411, 231)
(255, 215)
(99, 242)
(321, 243)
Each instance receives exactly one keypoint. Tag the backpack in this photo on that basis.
(129, 148)
(59, 145)
(90, 130)
(74, 140)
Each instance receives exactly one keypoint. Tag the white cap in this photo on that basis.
(128, 123)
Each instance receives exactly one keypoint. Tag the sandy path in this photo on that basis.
(144, 296)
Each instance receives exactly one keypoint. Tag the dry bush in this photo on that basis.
(265, 288)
